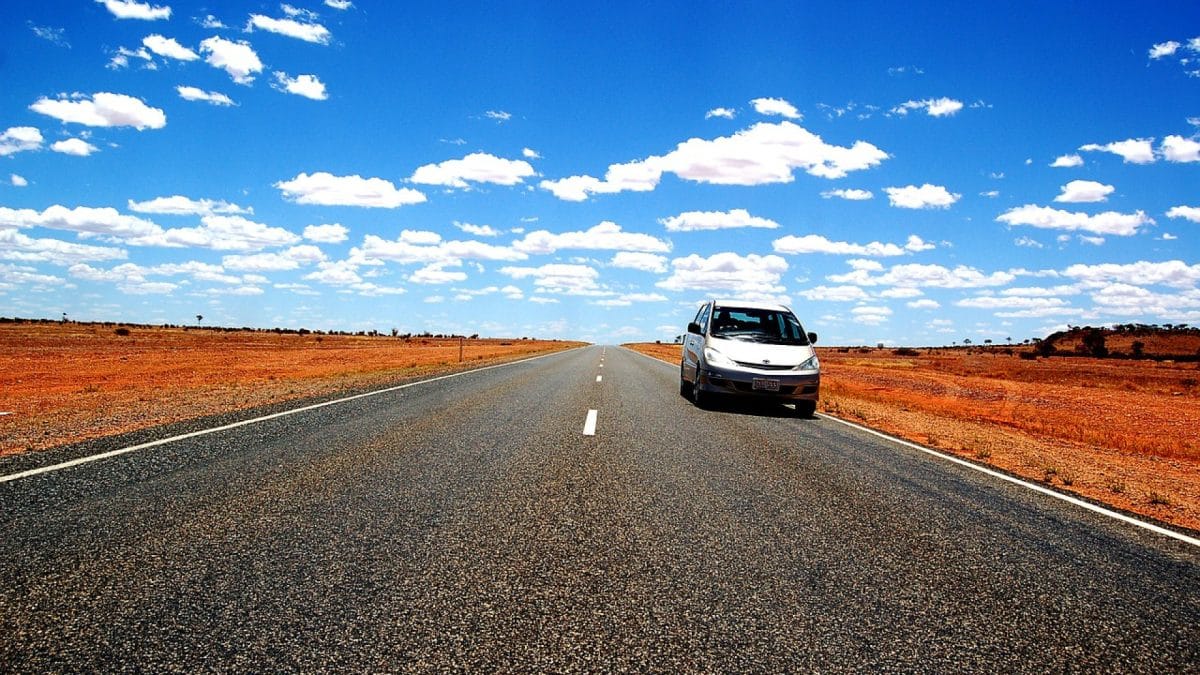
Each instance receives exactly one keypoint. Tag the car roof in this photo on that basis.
(748, 304)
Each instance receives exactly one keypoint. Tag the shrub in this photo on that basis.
(122, 331)
(1029, 356)
(905, 351)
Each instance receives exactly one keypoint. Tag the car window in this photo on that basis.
(758, 325)
(703, 320)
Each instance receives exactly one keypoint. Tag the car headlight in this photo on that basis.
(716, 358)
(809, 364)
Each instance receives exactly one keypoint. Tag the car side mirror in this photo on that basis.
(694, 327)
(812, 338)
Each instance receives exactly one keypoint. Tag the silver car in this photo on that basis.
(750, 349)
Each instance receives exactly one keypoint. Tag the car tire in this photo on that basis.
(806, 409)
(685, 389)
(700, 398)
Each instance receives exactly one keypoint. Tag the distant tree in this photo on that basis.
(64, 317)
(987, 341)
(1138, 348)
(967, 341)
(1094, 343)
(199, 318)
(1009, 340)
(1045, 348)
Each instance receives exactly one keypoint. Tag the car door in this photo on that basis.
(693, 345)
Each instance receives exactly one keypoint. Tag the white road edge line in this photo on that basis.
(234, 425)
(1003, 476)
(589, 425)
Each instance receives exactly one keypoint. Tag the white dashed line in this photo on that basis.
(589, 425)
(599, 378)
(2, 414)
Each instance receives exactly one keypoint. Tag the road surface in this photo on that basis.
(471, 523)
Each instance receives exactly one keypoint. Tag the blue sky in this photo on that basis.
(906, 173)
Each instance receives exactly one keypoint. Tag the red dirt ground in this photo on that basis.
(71, 382)
(1120, 432)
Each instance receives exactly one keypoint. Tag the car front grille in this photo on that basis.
(763, 366)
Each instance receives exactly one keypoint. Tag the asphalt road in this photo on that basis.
(469, 523)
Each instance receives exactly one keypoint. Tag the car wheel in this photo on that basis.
(806, 409)
(699, 397)
(685, 389)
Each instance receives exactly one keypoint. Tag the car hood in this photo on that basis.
(757, 352)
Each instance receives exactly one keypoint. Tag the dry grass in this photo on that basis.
(1122, 432)
(71, 382)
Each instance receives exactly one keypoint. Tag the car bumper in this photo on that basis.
(737, 382)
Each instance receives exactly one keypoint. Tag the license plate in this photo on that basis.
(762, 384)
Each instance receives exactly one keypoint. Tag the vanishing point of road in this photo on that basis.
(568, 513)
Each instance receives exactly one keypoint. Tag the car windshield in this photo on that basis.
(758, 325)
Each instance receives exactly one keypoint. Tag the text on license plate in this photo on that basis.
(763, 384)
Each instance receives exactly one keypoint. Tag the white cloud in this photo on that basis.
(339, 4)
(168, 47)
(196, 94)
(1084, 191)
(17, 181)
(940, 107)
(121, 58)
(325, 189)
(183, 206)
(645, 262)
(1045, 217)
(870, 315)
(1162, 49)
(19, 247)
(691, 221)
(815, 243)
(85, 220)
(560, 278)
(628, 299)
(763, 153)
(835, 294)
(1191, 213)
(499, 115)
(750, 275)
(923, 303)
(332, 233)
(851, 195)
(477, 167)
(435, 273)
(19, 139)
(775, 106)
(74, 146)
(238, 59)
(210, 21)
(530, 153)
(478, 230)
(308, 86)
(55, 36)
(604, 236)
(724, 113)
(10, 275)
(309, 32)
(339, 273)
(289, 259)
(1094, 241)
(924, 276)
(1180, 149)
(1028, 242)
(414, 247)
(1174, 273)
(221, 233)
(925, 197)
(1133, 150)
(131, 9)
(103, 109)
(1067, 161)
